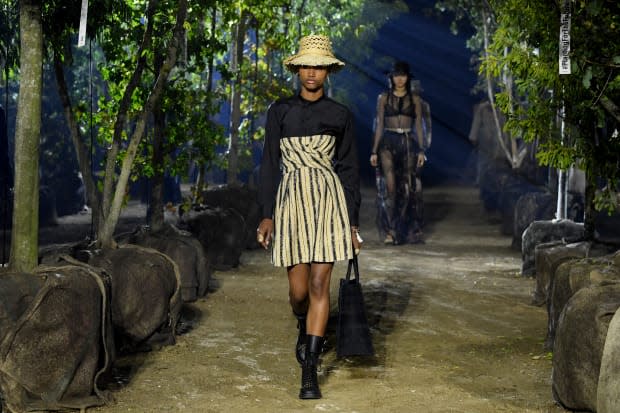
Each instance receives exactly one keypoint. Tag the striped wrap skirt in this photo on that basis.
(311, 222)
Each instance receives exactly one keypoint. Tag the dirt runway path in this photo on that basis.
(451, 321)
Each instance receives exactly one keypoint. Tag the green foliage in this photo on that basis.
(190, 102)
(191, 134)
(197, 90)
(351, 26)
(525, 43)
(9, 35)
(471, 14)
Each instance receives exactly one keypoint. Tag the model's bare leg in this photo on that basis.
(387, 166)
(419, 207)
(318, 314)
(298, 295)
(298, 284)
(318, 310)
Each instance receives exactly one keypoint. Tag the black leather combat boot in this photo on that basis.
(309, 380)
(300, 347)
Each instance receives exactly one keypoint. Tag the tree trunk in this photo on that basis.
(516, 156)
(25, 232)
(611, 107)
(106, 231)
(589, 213)
(235, 116)
(561, 209)
(109, 180)
(200, 184)
(6, 183)
(491, 94)
(83, 157)
(157, 181)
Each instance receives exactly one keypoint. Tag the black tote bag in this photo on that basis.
(353, 335)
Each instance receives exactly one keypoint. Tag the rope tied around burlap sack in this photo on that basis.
(52, 399)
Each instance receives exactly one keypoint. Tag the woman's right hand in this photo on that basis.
(264, 232)
(374, 160)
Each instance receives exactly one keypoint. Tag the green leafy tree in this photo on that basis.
(140, 81)
(9, 39)
(184, 133)
(572, 118)
(125, 31)
(527, 43)
(273, 29)
(481, 16)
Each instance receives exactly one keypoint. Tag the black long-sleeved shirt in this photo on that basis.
(296, 117)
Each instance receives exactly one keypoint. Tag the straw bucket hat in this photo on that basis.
(314, 50)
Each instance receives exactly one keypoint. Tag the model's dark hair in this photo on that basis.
(400, 67)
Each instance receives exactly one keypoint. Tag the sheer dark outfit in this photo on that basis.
(397, 212)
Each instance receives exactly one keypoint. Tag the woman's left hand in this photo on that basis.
(264, 232)
(357, 240)
(421, 159)
(374, 160)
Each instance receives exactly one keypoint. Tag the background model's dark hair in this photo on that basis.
(400, 68)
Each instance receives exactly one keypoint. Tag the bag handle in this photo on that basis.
(353, 263)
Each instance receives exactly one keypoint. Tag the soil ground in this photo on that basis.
(452, 327)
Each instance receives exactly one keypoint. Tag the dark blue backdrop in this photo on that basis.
(441, 61)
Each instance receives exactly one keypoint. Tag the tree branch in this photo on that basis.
(106, 233)
(81, 150)
(610, 107)
(119, 125)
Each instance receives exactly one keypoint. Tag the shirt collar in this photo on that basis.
(309, 102)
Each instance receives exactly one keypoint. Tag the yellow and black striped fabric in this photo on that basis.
(311, 219)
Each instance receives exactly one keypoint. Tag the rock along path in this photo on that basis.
(452, 326)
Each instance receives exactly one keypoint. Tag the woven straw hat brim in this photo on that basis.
(314, 50)
(311, 59)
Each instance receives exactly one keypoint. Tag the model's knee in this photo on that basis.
(299, 301)
(297, 297)
(319, 287)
